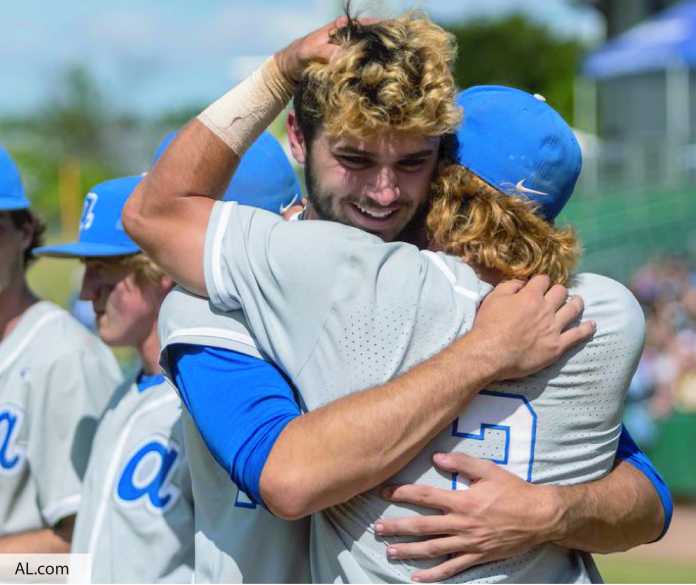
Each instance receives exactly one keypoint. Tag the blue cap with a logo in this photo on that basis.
(264, 178)
(101, 230)
(520, 145)
(11, 190)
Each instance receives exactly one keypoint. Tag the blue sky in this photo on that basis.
(157, 55)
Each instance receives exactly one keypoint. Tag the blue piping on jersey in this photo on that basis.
(145, 381)
(240, 405)
(629, 451)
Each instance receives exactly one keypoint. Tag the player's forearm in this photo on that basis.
(168, 212)
(203, 156)
(48, 540)
(167, 215)
(331, 454)
(613, 514)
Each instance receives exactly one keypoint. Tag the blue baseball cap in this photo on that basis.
(264, 178)
(11, 190)
(519, 145)
(101, 230)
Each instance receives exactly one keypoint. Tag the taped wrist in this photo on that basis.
(244, 112)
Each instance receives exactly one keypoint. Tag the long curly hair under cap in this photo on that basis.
(470, 219)
(392, 75)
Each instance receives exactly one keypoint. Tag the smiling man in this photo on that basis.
(386, 203)
(377, 182)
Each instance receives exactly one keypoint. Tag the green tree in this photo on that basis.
(76, 115)
(521, 53)
(72, 126)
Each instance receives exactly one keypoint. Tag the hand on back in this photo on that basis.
(527, 327)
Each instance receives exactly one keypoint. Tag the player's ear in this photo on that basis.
(296, 139)
(167, 284)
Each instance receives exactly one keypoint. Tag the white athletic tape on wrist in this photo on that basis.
(244, 112)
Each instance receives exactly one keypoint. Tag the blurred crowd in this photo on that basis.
(665, 381)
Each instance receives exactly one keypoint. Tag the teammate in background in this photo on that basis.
(170, 209)
(55, 379)
(136, 514)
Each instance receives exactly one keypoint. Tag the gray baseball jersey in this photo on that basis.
(55, 379)
(236, 541)
(339, 310)
(136, 515)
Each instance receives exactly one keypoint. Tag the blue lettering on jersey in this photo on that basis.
(484, 433)
(497, 421)
(148, 474)
(243, 501)
(11, 456)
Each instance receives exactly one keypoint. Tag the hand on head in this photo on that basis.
(316, 46)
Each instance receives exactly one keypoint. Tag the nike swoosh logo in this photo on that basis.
(283, 209)
(522, 189)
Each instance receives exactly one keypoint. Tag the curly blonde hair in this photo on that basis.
(392, 75)
(470, 219)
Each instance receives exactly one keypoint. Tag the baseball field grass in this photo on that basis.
(55, 279)
(671, 560)
(628, 569)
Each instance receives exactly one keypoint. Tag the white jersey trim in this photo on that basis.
(21, 346)
(116, 460)
(447, 271)
(178, 334)
(61, 509)
(216, 260)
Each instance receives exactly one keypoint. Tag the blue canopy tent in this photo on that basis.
(665, 42)
(662, 49)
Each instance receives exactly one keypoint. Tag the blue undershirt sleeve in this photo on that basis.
(240, 405)
(629, 451)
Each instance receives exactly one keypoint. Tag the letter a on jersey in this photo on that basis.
(11, 456)
(148, 474)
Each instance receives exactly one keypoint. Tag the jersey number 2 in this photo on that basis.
(500, 427)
